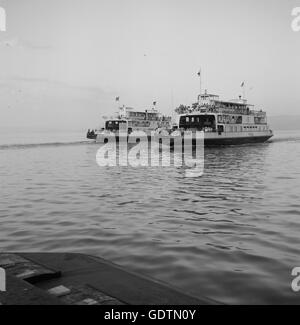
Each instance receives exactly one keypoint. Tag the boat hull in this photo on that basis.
(236, 140)
(209, 139)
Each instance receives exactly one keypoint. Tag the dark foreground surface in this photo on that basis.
(54, 279)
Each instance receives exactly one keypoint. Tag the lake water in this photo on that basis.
(232, 235)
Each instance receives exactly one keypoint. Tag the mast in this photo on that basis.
(200, 84)
(244, 90)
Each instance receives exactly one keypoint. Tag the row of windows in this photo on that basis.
(230, 119)
(250, 127)
(192, 119)
(246, 128)
(256, 127)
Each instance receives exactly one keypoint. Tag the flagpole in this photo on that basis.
(200, 81)
(244, 90)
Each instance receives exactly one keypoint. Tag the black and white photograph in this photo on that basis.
(149, 155)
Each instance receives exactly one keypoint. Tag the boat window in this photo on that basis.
(198, 122)
(114, 125)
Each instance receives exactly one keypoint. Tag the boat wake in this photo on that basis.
(289, 138)
(43, 144)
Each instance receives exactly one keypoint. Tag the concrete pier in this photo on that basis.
(76, 279)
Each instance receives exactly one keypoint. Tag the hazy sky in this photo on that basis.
(63, 62)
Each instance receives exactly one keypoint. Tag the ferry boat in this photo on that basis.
(224, 122)
(129, 120)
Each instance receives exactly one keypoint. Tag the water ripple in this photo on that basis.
(231, 235)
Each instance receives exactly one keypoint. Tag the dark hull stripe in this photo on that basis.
(233, 141)
(221, 141)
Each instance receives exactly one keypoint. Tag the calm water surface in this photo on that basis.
(232, 235)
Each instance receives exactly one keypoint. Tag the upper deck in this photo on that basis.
(129, 113)
(130, 119)
(209, 103)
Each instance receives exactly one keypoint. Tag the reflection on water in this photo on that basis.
(231, 235)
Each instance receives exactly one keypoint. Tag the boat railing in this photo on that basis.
(258, 113)
(224, 110)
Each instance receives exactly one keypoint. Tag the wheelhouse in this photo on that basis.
(198, 122)
(114, 125)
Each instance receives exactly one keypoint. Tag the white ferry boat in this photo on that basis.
(128, 120)
(224, 122)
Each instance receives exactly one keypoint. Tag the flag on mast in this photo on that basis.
(199, 73)
(244, 90)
